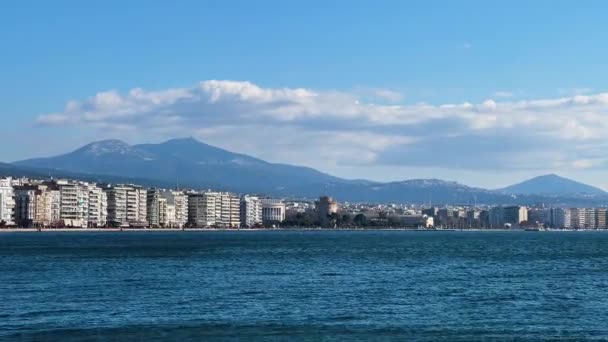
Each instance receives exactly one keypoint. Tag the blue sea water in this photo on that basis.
(304, 285)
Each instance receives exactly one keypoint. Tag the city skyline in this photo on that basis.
(427, 92)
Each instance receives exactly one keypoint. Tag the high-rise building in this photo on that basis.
(153, 208)
(98, 206)
(589, 219)
(251, 211)
(37, 205)
(25, 206)
(600, 218)
(116, 196)
(512, 215)
(7, 202)
(167, 208)
(214, 209)
(137, 206)
(74, 203)
(496, 217)
(558, 218)
(126, 205)
(538, 216)
(176, 208)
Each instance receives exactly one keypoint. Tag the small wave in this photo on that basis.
(32, 314)
(331, 274)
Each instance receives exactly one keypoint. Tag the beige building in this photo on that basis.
(37, 206)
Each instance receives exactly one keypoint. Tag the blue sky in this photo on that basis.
(482, 93)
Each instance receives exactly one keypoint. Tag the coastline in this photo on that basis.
(160, 230)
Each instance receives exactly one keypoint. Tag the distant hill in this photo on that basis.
(553, 185)
(191, 163)
(184, 161)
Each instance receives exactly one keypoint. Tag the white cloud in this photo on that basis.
(342, 128)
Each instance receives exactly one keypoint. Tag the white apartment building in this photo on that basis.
(126, 205)
(98, 206)
(251, 211)
(137, 206)
(7, 202)
(74, 203)
(176, 212)
(214, 209)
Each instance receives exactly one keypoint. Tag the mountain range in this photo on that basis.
(191, 163)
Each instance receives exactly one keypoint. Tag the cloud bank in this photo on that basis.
(308, 126)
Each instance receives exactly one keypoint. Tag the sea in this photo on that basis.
(304, 285)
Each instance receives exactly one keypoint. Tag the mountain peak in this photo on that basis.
(106, 146)
(183, 140)
(552, 184)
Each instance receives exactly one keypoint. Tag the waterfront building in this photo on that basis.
(326, 206)
(153, 208)
(176, 212)
(7, 202)
(98, 206)
(25, 206)
(511, 215)
(538, 216)
(445, 217)
(214, 209)
(589, 218)
(558, 218)
(251, 211)
(570, 218)
(167, 208)
(484, 219)
(431, 212)
(137, 207)
(126, 205)
(74, 203)
(473, 218)
(413, 221)
(201, 210)
(231, 210)
(496, 217)
(515, 215)
(116, 196)
(36, 205)
(273, 211)
(600, 218)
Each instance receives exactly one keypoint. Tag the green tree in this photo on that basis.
(360, 220)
